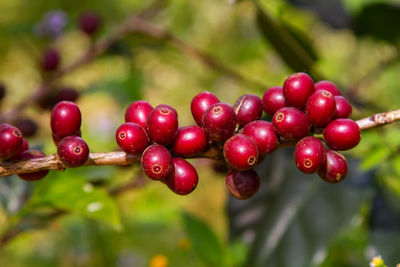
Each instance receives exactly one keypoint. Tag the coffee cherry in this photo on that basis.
(240, 152)
(65, 119)
(2, 91)
(242, 184)
(343, 107)
(89, 22)
(263, 135)
(309, 154)
(273, 100)
(183, 179)
(297, 88)
(27, 126)
(291, 123)
(50, 59)
(66, 94)
(22, 148)
(28, 155)
(327, 86)
(190, 141)
(248, 108)
(132, 138)
(200, 103)
(157, 162)
(10, 141)
(321, 108)
(138, 112)
(73, 151)
(57, 139)
(219, 122)
(342, 134)
(334, 168)
(162, 124)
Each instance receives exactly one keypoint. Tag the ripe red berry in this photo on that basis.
(291, 123)
(138, 112)
(132, 138)
(219, 122)
(162, 125)
(157, 162)
(57, 139)
(334, 168)
(297, 88)
(242, 184)
(28, 155)
(50, 59)
(241, 152)
(200, 103)
(183, 179)
(10, 141)
(65, 119)
(321, 108)
(327, 86)
(309, 154)
(22, 148)
(263, 135)
(343, 107)
(342, 134)
(73, 151)
(273, 100)
(248, 108)
(190, 141)
(89, 22)
(27, 126)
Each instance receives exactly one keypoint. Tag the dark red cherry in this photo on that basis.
(200, 103)
(50, 59)
(138, 112)
(291, 123)
(248, 108)
(157, 162)
(162, 125)
(65, 119)
(309, 154)
(343, 107)
(132, 138)
(297, 89)
(183, 179)
(29, 155)
(342, 134)
(242, 184)
(273, 100)
(66, 94)
(219, 122)
(263, 135)
(327, 86)
(22, 148)
(321, 108)
(89, 22)
(10, 141)
(334, 168)
(190, 141)
(241, 152)
(27, 126)
(73, 151)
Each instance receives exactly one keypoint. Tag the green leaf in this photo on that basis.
(204, 241)
(375, 157)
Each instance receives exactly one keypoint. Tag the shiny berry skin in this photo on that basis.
(327, 86)
(263, 135)
(248, 108)
(65, 119)
(157, 162)
(2, 91)
(28, 155)
(343, 107)
(273, 100)
(320, 108)
(219, 122)
(138, 112)
(27, 126)
(291, 123)
(242, 184)
(57, 139)
(66, 94)
(200, 103)
(89, 22)
(334, 168)
(309, 154)
(132, 138)
(162, 125)
(184, 178)
(73, 151)
(240, 152)
(297, 88)
(342, 134)
(189, 141)
(10, 141)
(50, 59)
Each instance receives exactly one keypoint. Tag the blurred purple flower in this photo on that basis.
(52, 24)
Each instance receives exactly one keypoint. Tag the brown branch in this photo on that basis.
(379, 119)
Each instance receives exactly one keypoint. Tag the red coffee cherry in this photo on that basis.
(240, 152)
(309, 154)
(291, 123)
(321, 108)
(263, 135)
(73, 151)
(57, 139)
(132, 138)
(50, 59)
(10, 141)
(138, 112)
(28, 155)
(273, 100)
(342, 134)
(157, 162)
(22, 148)
(183, 179)
(297, 88)
(89, 22)
(334, 168)
(200, 103)
(190, 141)
(327, 86)
(162, 124)
(343, 107)
(248, 108)
(27, 126)
(65, 119)
(219, 122)
(242, 184)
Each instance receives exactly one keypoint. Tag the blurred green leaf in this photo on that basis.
(375, 157)
(236, 253)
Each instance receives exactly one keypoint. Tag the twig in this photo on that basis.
(379, 119)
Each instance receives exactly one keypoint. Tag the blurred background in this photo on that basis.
(113, 216)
